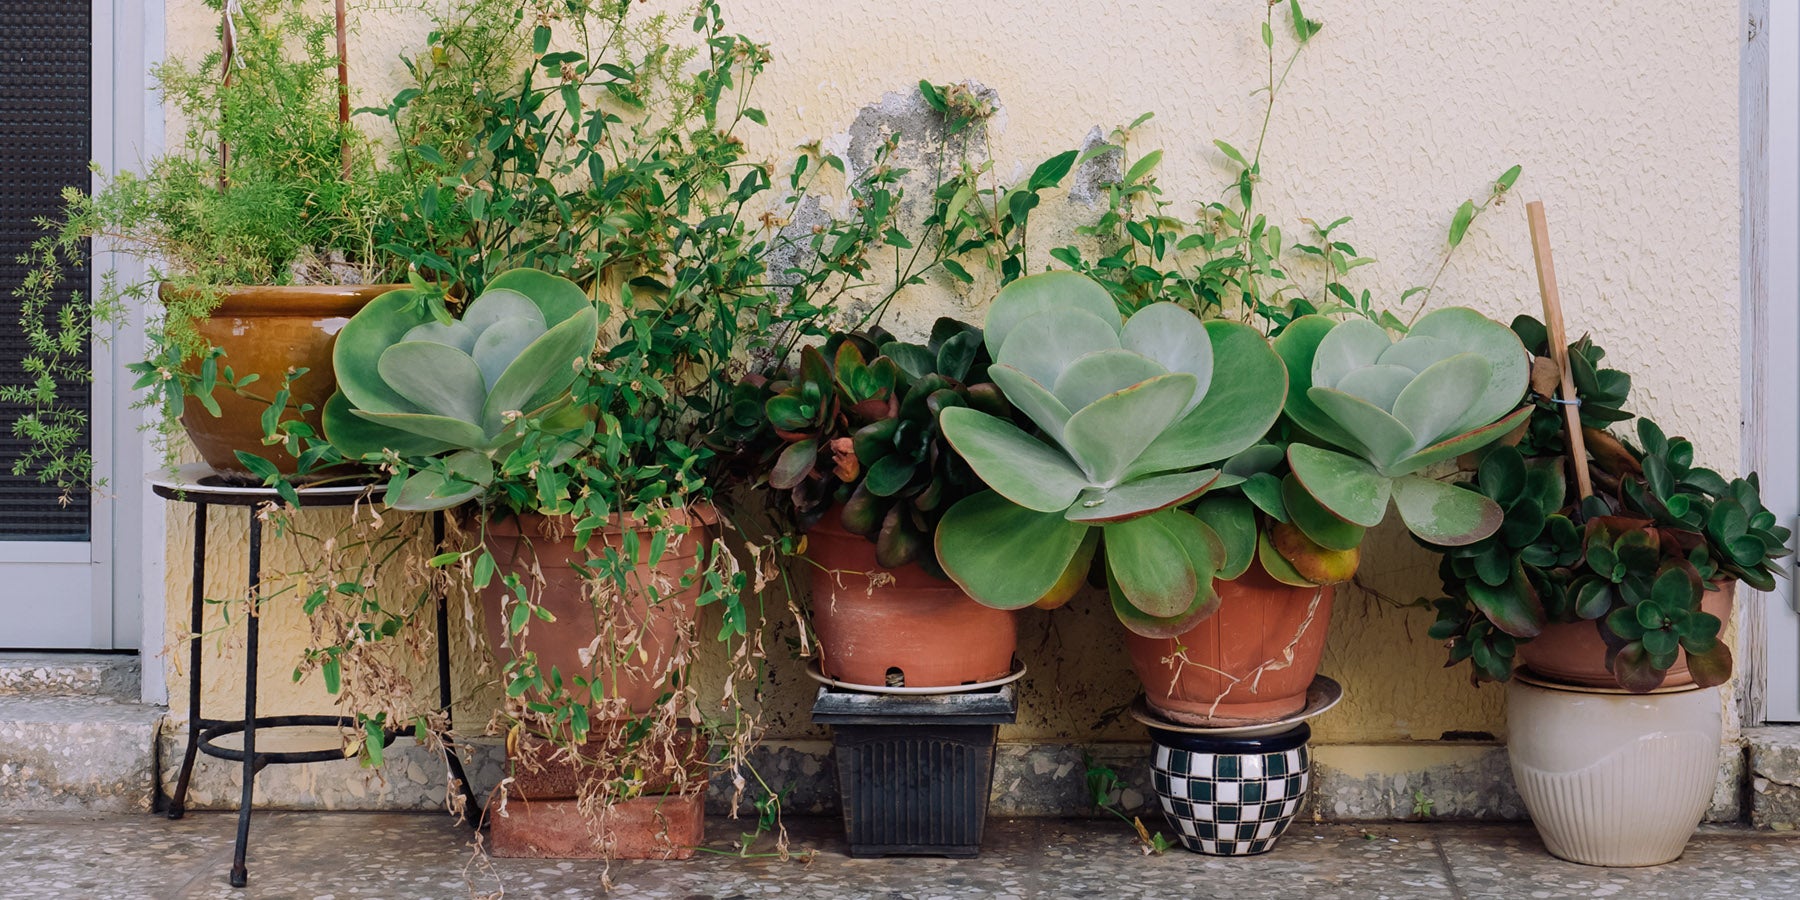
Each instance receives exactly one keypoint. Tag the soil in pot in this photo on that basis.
(268, 332)
(1574, 653)
(898, 627)
(1252, 661)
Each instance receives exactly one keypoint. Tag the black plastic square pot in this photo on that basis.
(915, 771)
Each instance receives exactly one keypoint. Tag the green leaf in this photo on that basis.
(1315, 521)
(1020, 467)
(1348, 487)
(794, 464)
(1233, 519)
(1003, 555)
(1513, 607)
(1151, 565)
(1143, 166)
(1241, 404)
(1471, 332)
(1106, 436)
(1029, 296)
(1298, 346)
(1264, 490)
(890, 475)
(1094, 375)
(1136, 498)
(1046, 344)
(1445, 514)
(1051, 171)
(1033, 399)
(1459, 225)
(1437, 399)
(1232, 153)
(1387, 438)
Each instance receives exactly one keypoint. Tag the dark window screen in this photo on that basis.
(45, 120)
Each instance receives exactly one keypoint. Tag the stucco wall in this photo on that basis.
(1623, 115)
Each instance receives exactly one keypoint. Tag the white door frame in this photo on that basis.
(1769, 642)
(119, 569)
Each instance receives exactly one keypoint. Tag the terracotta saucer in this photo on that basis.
(815, 673)
(1321, 695)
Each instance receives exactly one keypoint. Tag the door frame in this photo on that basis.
(1769, 627)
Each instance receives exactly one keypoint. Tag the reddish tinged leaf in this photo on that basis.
(794, 464)
(844, 463)
(1712, 667)
(1631, 666)
(1513, 607)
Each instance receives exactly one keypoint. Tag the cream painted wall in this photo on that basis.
(1623, 115)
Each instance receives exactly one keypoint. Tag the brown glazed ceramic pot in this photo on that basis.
(1258, 619)
(268, 331)
(532, 544)
(1573, 653)
(901, 619)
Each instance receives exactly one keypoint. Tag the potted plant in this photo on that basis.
(853, 445)
(1614, 603)
(260, 228)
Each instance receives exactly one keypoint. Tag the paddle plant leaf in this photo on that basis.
(1024, 469)
(1002, 554)
(1445, 514)
(1346, 486)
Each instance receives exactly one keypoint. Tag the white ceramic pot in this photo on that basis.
(1612, 778)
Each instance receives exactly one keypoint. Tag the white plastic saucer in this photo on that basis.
(1321, 695)
(817, 674)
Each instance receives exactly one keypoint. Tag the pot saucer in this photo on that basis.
(1323, 694)
(1527, 676)
(815, 673)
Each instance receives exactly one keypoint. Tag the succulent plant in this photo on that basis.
(856, 423)
(1634, 559)
(467, 391)
(1130, 412)
(1451, 385)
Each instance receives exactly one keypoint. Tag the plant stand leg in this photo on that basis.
(178, 804)
(239, 874)
(472, 807)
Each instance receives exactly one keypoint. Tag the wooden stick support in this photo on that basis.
(343, 73)
(1559, 344)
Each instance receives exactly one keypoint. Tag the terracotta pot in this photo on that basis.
(544, 770)
(532, 544)
(1259, 619)
(269, 331)
(873, 622)
(1612, 778)
(1574, 653)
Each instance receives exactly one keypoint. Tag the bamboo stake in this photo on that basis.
(1559, 343)
(343, 52)
(228, 35)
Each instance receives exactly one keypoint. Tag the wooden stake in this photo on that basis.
(1559, 343)
(343, 53)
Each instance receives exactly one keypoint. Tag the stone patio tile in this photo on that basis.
(1492, 862)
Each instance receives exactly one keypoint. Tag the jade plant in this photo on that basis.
(1635, 559)
(855, 424)
(1382, 411)
(465, 392)
(1130, 415)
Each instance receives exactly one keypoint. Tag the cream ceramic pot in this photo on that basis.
(1612, 778)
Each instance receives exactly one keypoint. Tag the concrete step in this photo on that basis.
(109, 675)
(77, 754)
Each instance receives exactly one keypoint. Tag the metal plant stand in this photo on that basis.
(199, 485)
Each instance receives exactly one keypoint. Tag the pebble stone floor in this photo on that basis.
(344, 855)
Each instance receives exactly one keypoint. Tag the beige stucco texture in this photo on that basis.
(1622, 114)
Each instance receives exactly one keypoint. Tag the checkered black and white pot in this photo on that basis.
(1230, 796)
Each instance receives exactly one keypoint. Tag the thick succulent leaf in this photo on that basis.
(421, 493)
(542, 370)
(501, 343)
(1316, 564)
(1206, 602)
(1137, 498)
(1045, 344)
(557, 297)
(899, 542)
(1243, 401)
(358, 436)
(1318, 523)
(1106, 436)
(1378, 384)
(436, 378)
(1345, 485)
(455, 432)
(1151, 565)
(455, 334)
(957, 354)
(1352, 345)
(377, 326)
(1233, 519)
(497, 305)
(1513, 607)
(1375, 428)
(1462, 443)
(1074, 575)
(916, 361)
(1253, 459)
(1297, 345)
(1416, 352)
(1277, 565)
(1002, 554)
(794, 464)
(1103, 372)
(1445, 514)
(1713, 667)
(1472, 332)
(1439, 396)
(1024, 469)
(1033, 399)
(1029, 296)
(1173, 338)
